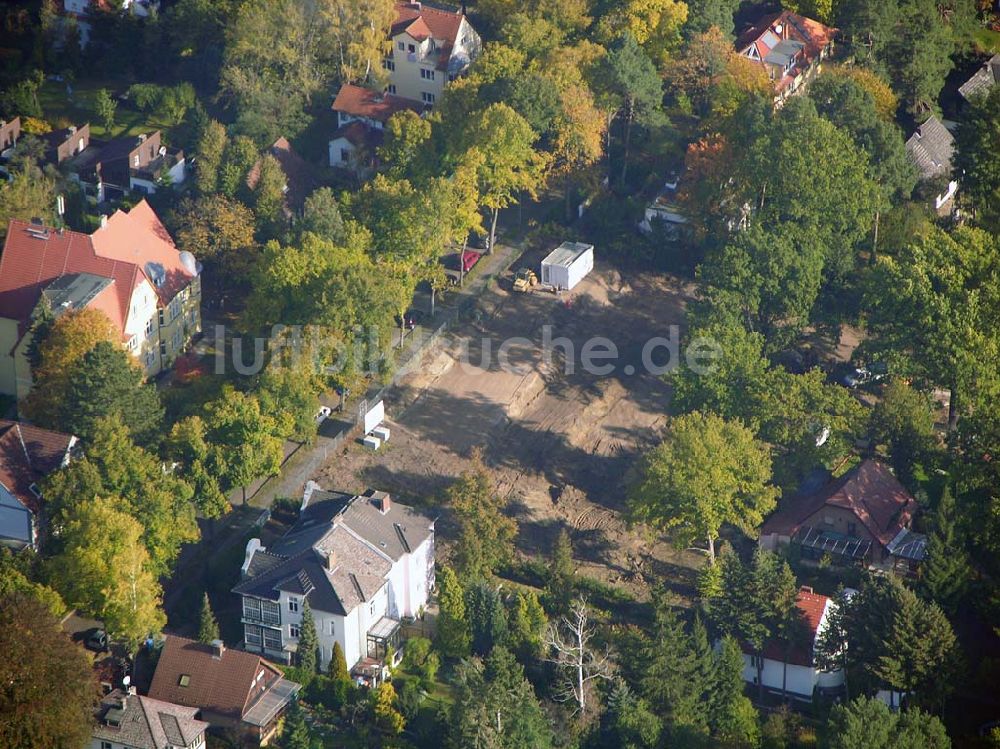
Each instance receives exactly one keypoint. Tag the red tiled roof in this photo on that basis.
(813, 34)
(363, 102)
(443, 25)
(869, 491)
(28, 454)
(226, 685)
(132, 246)
(811, 607)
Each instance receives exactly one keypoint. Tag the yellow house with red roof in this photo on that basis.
(129, 269)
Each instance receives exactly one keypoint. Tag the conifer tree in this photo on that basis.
(308, 640)
(560, 587)
(338, 664)
(453, 623)
(208, 627)
(946, 572)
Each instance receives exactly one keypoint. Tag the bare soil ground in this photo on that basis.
(560, 440)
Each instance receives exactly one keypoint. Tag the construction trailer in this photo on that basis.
(567, 265)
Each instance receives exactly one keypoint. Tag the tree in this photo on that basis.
(217, 229)
(918, 54)
(387, 717)
(655, 25)
(629, 722)
(407, 136)
(933, 312)
(210, 150)
(527, 625)
(208, 627)
(830, 653)
(704, 14)
(561, 584)
(114, 466)
(572, 651)
(51, 689)
(634, 84)
(15, 580)
(732, 716)
(245, 438)
(947, 572)
(105, 108)
(30, 194)
(105, 571)
(705, 473)
(510, 163)
(495, 706)
(188, 446)
(296, 732)
(674, 680)
(268, 193)
(485, 534)
(308, 648)
(453, 637)
(903, 420)
(290, 385)
(487, 617)
(756, 601)
(321, 215)
(106, 382)
(68, 339)
(868, 723)
(978, 158)
(240, 155)
(337, 670)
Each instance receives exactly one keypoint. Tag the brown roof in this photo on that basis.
(358, 135)
(132, 246)
(28, 454)
(298, 174)
(422, 22)
(811, 607)
(869, 491)
(363, 102)
(227, 686)
(813, 34)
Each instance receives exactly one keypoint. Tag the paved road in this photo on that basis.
(305, 462)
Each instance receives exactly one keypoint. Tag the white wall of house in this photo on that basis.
(413, 65)
(343, 118)
(800, 680)
(198, 743)
(343, 154)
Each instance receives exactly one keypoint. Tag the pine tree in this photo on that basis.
(628, 723)
(731, 715)
(296, 733)
(338, 664)
(560, 588)
(308, 640)
(453, 623)
(527, 624)
(487, 618)
(947, 571)
(670, 681)
(208, 627)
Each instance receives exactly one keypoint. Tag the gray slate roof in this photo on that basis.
(982, 80)
(145, 723)
(364, 543)
(931, 148)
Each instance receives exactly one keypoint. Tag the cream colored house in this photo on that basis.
(430, 47)
(129, 269)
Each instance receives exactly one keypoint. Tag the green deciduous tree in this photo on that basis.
(903, 420)
(453, 637)
(51, 688)
(105, 571)
(198, 464)
(105, 107)
(485, 534)
(268, 197)
(707, 472)
(114, 466)
(210, 149)
(208, 627)
(321, 216)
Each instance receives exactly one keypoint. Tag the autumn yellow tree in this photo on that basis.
(655, 24)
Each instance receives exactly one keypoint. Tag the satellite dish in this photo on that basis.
(126, 681)
(189, 262)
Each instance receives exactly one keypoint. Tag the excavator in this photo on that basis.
(525, 280)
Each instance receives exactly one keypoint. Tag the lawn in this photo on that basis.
(63, 109)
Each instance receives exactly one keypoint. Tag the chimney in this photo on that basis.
(805, 589)
(330, 558)
(104, 220)
(218, 648)
(382, 501)
(142, 137)
(72, 129)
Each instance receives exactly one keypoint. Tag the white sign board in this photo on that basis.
(374, 416)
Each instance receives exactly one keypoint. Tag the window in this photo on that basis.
(270, 613)
(345, 156)
(251, 608)
(294, 631)
(185, 680)
(388, 64)
(135, 160)
(272, 639)
(852, 529)
(400, 46)
(163, 349)
(178, 339)
(35, 490)
(410, 48)
(391, 88)
(253, 635)
(106, 745)
(426, 97)
(333, 629)
(427, 75)
(163, 320)
(149, 326)
(293, 604)
(150, 358)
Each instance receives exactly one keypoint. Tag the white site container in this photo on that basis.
(372, 443)
(381, 432)
(567, 265)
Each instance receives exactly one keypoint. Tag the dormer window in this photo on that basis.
(35, 490)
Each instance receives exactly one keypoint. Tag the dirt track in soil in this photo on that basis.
(559, 440)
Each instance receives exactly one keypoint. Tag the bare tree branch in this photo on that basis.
(568, 641)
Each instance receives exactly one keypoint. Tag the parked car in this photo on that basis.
(461, 262)
(97, 640)
(863, 375)
(322, 414)
(411, 319)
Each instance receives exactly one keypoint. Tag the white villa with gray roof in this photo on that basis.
(363, 563)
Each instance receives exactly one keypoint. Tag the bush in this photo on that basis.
(327, 692)
(145, 96)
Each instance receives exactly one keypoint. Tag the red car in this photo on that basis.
(466, 261)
